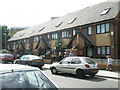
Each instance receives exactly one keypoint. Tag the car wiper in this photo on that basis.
(42, 85)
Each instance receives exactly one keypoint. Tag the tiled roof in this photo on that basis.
(82, 17)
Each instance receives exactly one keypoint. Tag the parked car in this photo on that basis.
(31, 60)
(81, 66)
(24, 77)
(6, 58)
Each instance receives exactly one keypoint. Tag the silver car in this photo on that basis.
(22, 77)
(81, 66)
(31, 60)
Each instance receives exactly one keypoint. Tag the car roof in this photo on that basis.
(15, 67)
(77, 57)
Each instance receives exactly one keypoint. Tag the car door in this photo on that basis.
(75, 63)
(64, 65)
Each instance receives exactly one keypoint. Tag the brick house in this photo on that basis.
(93, 31)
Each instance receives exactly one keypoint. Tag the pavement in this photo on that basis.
(101, 73)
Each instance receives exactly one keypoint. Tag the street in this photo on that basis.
(71, 81)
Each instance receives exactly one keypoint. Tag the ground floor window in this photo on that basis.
(103, 50)
(89, 52)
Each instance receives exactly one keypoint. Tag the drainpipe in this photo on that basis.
(113, 34)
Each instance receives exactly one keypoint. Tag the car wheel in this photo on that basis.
(27, 64)
(54, 70)
(92, 75)
(80, 74)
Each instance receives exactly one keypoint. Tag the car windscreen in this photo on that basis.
(25, 79)
(9, 55)
(6, 55)
(31, 57)
(88, 60)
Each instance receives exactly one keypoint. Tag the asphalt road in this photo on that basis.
(71, 81)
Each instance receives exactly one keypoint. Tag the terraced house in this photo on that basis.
(93, 31)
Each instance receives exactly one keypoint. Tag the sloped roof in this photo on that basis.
(82, 17)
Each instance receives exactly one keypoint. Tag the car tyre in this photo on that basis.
(92, 75)
(80, 74)
(54, 70)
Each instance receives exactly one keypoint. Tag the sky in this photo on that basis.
(28, 13)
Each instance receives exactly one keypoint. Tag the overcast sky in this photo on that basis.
(19, 13)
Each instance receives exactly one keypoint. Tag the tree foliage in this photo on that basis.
(5, 35)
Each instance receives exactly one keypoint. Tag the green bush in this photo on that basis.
(4, 51)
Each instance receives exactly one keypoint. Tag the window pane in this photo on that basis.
(103, 50)
(98, 50)
(67, 34)
(48, 36)
(32, 79)
(102, 28)
(89, 52)
(40, 80)
(98, 28)
(107, 27)
(74, 32)
(107, 50)
(89, 30)
(76, 61)
(12, 80)
(62, 34)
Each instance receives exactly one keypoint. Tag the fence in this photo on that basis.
(103, 62)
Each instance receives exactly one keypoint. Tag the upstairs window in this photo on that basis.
(105, 11)
(65, 34)
(103, 28)
(54, 36)
(89, 31)
(71, 21)
(35, 39)
(27, 40)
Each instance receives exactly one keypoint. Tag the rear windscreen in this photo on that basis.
(89, 61)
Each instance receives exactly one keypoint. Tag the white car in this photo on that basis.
(13, 76)
(80, 66)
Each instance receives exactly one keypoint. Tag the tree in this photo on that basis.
(5, 36)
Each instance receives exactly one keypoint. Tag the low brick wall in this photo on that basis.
(102, 63)
(47, 61)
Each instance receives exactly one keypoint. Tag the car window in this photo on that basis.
(12, 80)
(40, 80)
(2, 55)
(32, 79)
(44, 82)
(8, 55)
(25, 79)
(66, 61)
(22, 57)
(88, 60)
(75, 61)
